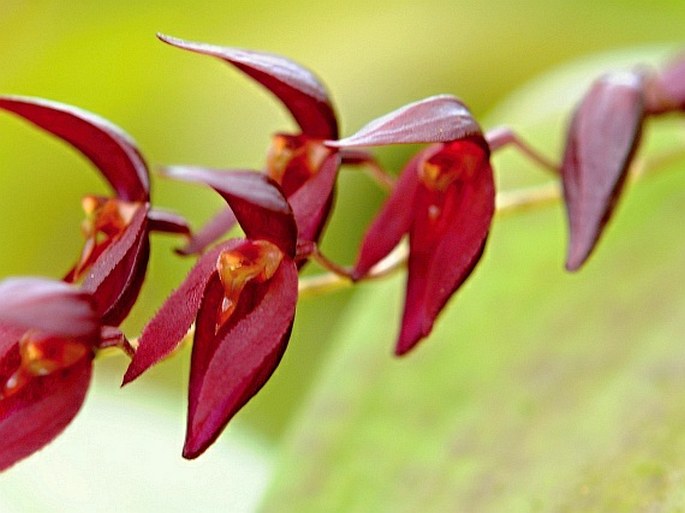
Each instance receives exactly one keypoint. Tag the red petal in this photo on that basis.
(257, 202)
(226, 373)
(444, 252)
(299, 90)
(393, 220)
(439, 118)
(312, 202)
(167, 328)
(117, 275)
(111, 150)
(40, 411)
(50, 306)
(215, 228)
(602, 139)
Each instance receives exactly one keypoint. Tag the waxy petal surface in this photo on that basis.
(603, 136)
(435, 119)
(111, 150)
(257, 202)
(226, 373)
(445, 244)
(165, 331)
(27, 426)
(51, 306)
(393, 220)
(672, 82)
(297, 87)
(312, 202)
(34, 416)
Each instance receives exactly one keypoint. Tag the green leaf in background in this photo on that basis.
(538, 391)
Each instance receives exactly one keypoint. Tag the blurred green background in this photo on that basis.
(539, 391)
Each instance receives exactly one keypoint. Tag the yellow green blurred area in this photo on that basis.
(539, 391)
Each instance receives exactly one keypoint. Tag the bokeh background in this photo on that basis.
(538, 391)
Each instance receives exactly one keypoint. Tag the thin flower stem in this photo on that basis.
(502, 136)
(370, 166)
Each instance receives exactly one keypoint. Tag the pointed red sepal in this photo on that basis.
(448, 233)
(51, 306)
(312, 202)
(435, 119)
(603, 136)
(111, 150)
(394, 219)
(165, 331)
(257, 202)
(297, 87)
(231, 366)
(35, 415)
(117, 275)
(211, 232)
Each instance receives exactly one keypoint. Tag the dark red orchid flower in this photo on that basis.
(444, 200)
(603, 137)
(114, 259)
(49, 332)
(294, 161)
(241, 295)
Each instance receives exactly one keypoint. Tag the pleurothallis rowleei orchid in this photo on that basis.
(241, 294)
(304, 167)
(114, 258)
(603, 137)
(444, 200)
(49, 332)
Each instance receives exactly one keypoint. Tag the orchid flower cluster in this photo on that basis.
(241, 294)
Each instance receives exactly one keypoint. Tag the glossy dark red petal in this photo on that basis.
(297, 87)
(215, 228)
(39, 412)
(435, 119)
(166, 329)
(257, 202)
(111, 150)
(444, 251)
(312, 202)
(241, 362)
(603, 136)
(115, 278)
(51, 306)
(393, 220)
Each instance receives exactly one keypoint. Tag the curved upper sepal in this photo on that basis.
(297, 87)
(231, 366)
(111, 150)
(671, 87)
(51, 306)
(257, 202)
(435, 119)
(603, 136)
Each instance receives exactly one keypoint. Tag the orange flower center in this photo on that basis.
(42, 354)
(459, 160)
(293, 159)
(253, 260)
(106, 219)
